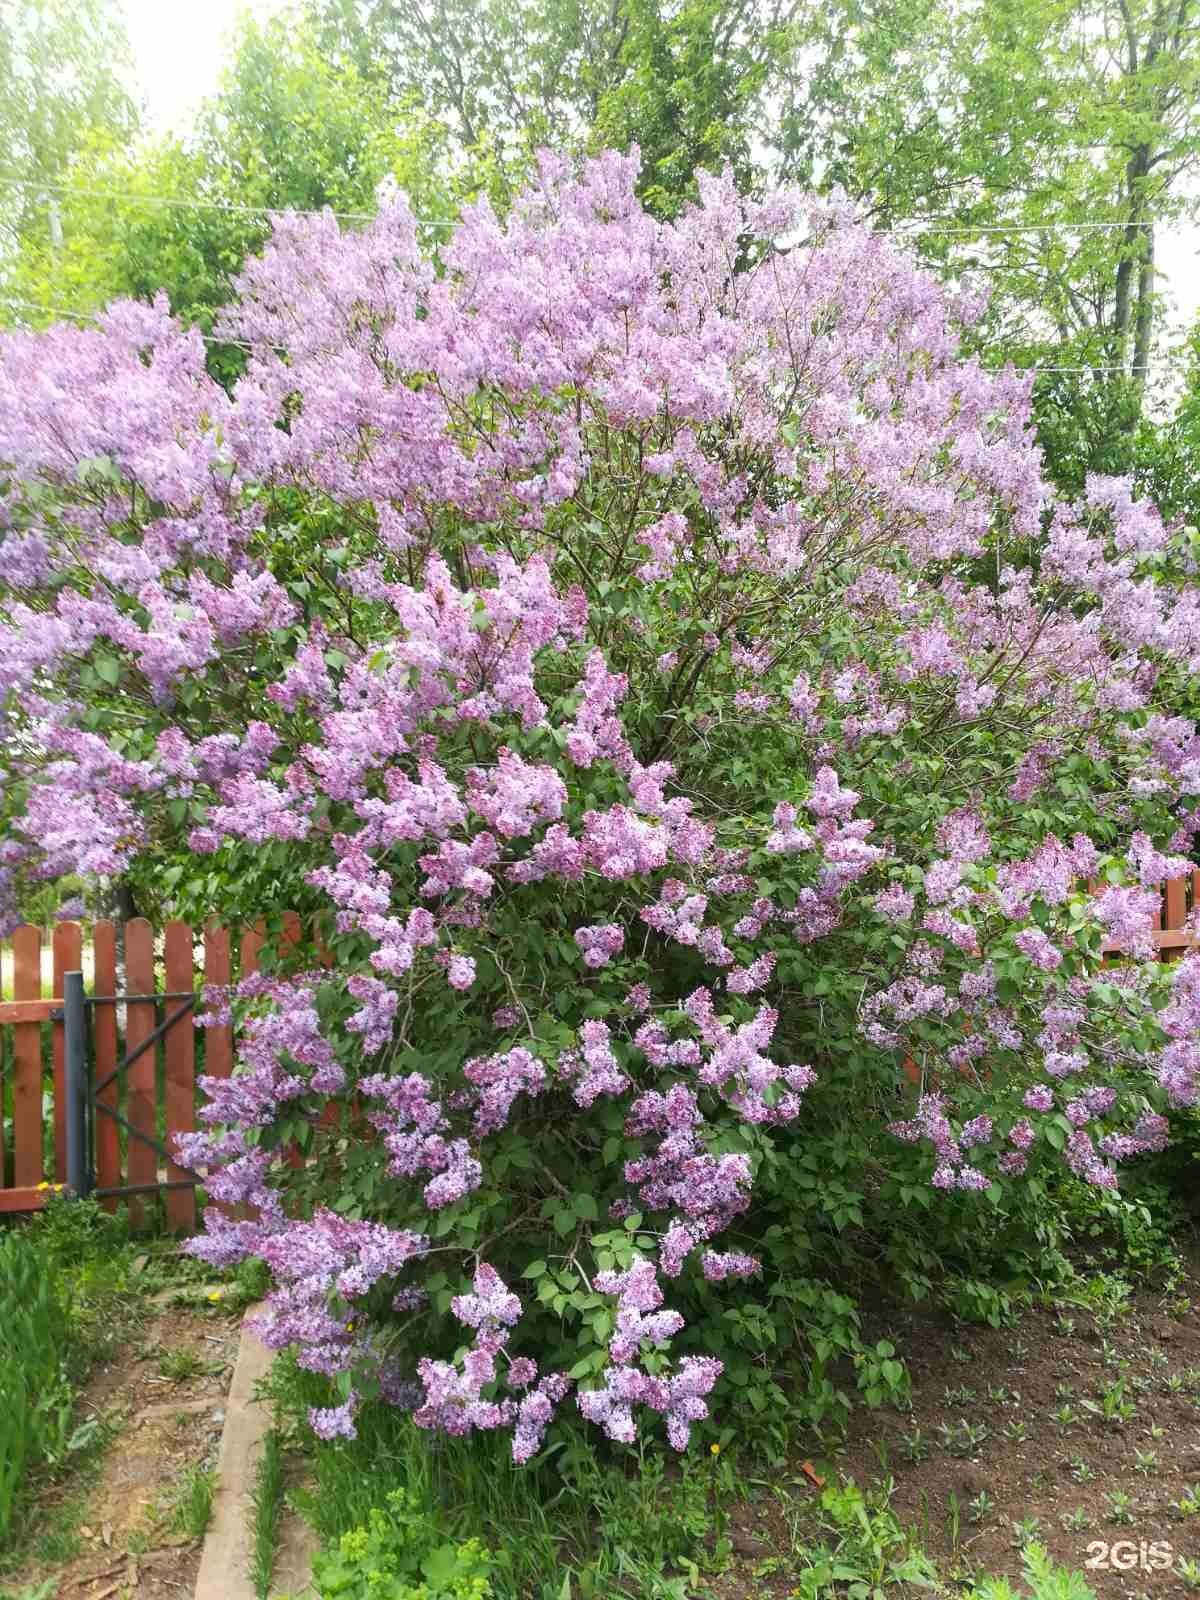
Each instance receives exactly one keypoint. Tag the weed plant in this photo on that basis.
(615, 1522)
(266, 1505)
(64, 1287)
(192, 1510)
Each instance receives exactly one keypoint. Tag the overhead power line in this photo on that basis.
(922, 227)
(89, 316)
(1014, 227)
(235, 208)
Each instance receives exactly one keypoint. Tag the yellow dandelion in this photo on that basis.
(215, 1296)
(714, 1449)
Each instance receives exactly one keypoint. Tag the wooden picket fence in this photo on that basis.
(1179, 896)
(157, 1095)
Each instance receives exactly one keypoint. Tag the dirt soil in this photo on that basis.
(163, 1393)
(988, 1458)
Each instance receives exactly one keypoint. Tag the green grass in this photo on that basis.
(40, 1591)
(192, 1510)
(180, 1365)
(1045, 1581)
(267, 1505)
(583, 1524)
(70, 1292)
(35, 1390)
(62, 1541)
(586, 1521)
(581, 1521)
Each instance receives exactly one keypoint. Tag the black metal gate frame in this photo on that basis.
(82, 1104)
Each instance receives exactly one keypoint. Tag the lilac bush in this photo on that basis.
(654, 661)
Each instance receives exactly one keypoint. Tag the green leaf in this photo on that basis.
(1056, 1138)
(441, 1566)
(102, 468)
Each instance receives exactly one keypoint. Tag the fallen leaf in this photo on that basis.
(811, 1473)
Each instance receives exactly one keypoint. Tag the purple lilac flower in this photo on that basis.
(600, 945)
(1032, 942)
(335, 1422)
(895, 903)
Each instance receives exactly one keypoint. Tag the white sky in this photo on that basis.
(1178, 260)
(179, 48)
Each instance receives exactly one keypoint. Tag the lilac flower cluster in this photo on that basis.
(679, 1398)
(322, 1268)
(499, 1080)
(600, 945)
(454, 1400)
(412, 1128)
(932, 1123)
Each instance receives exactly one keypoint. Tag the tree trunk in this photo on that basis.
(1144, 318)
(1137, 240)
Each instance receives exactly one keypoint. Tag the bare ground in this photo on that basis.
(989, 1458)
(162, 1396)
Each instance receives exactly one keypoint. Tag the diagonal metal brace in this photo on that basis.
(145, 1188)
(148, 1042)
(136, 1133)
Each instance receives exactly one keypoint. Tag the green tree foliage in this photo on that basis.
(689, 83)
(1168, 457)
(694, 88)
(1019, 114)
(289, 127)
(293, 127)
(63, 66)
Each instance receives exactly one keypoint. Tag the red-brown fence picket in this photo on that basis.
(28, 1013)
(141, 986)
(1179, 896)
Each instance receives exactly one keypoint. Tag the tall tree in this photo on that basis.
(695, 87)
(686, 81)
(64, 67)
(1168, 457)
(1074, 123)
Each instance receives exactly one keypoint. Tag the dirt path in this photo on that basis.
(125, 1536)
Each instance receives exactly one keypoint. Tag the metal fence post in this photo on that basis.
(75, 1052)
